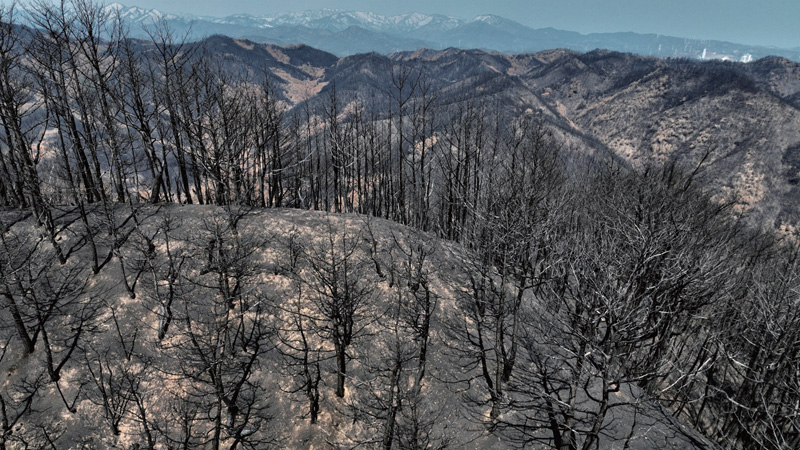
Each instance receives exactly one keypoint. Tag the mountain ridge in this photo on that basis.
(410, 31)
(743, 117)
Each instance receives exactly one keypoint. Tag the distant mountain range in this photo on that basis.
(349, 32)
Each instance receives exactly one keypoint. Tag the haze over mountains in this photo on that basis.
(348, 32)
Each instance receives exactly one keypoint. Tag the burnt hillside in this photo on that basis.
(235, 245)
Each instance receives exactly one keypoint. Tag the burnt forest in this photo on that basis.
(225, 244)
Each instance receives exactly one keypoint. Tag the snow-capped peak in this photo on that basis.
(134, 13)
(114, 7)
(490, 19)
(328, 19)
(337, 20)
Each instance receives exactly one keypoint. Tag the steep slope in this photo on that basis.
(779, 75)
(743, 119)
(295, 72)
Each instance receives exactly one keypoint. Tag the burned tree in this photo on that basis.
(339, 294)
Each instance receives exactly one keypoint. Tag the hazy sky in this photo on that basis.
(762, 22)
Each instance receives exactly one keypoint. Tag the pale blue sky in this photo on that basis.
(762, 22)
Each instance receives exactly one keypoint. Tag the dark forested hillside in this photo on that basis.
(233, 245)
